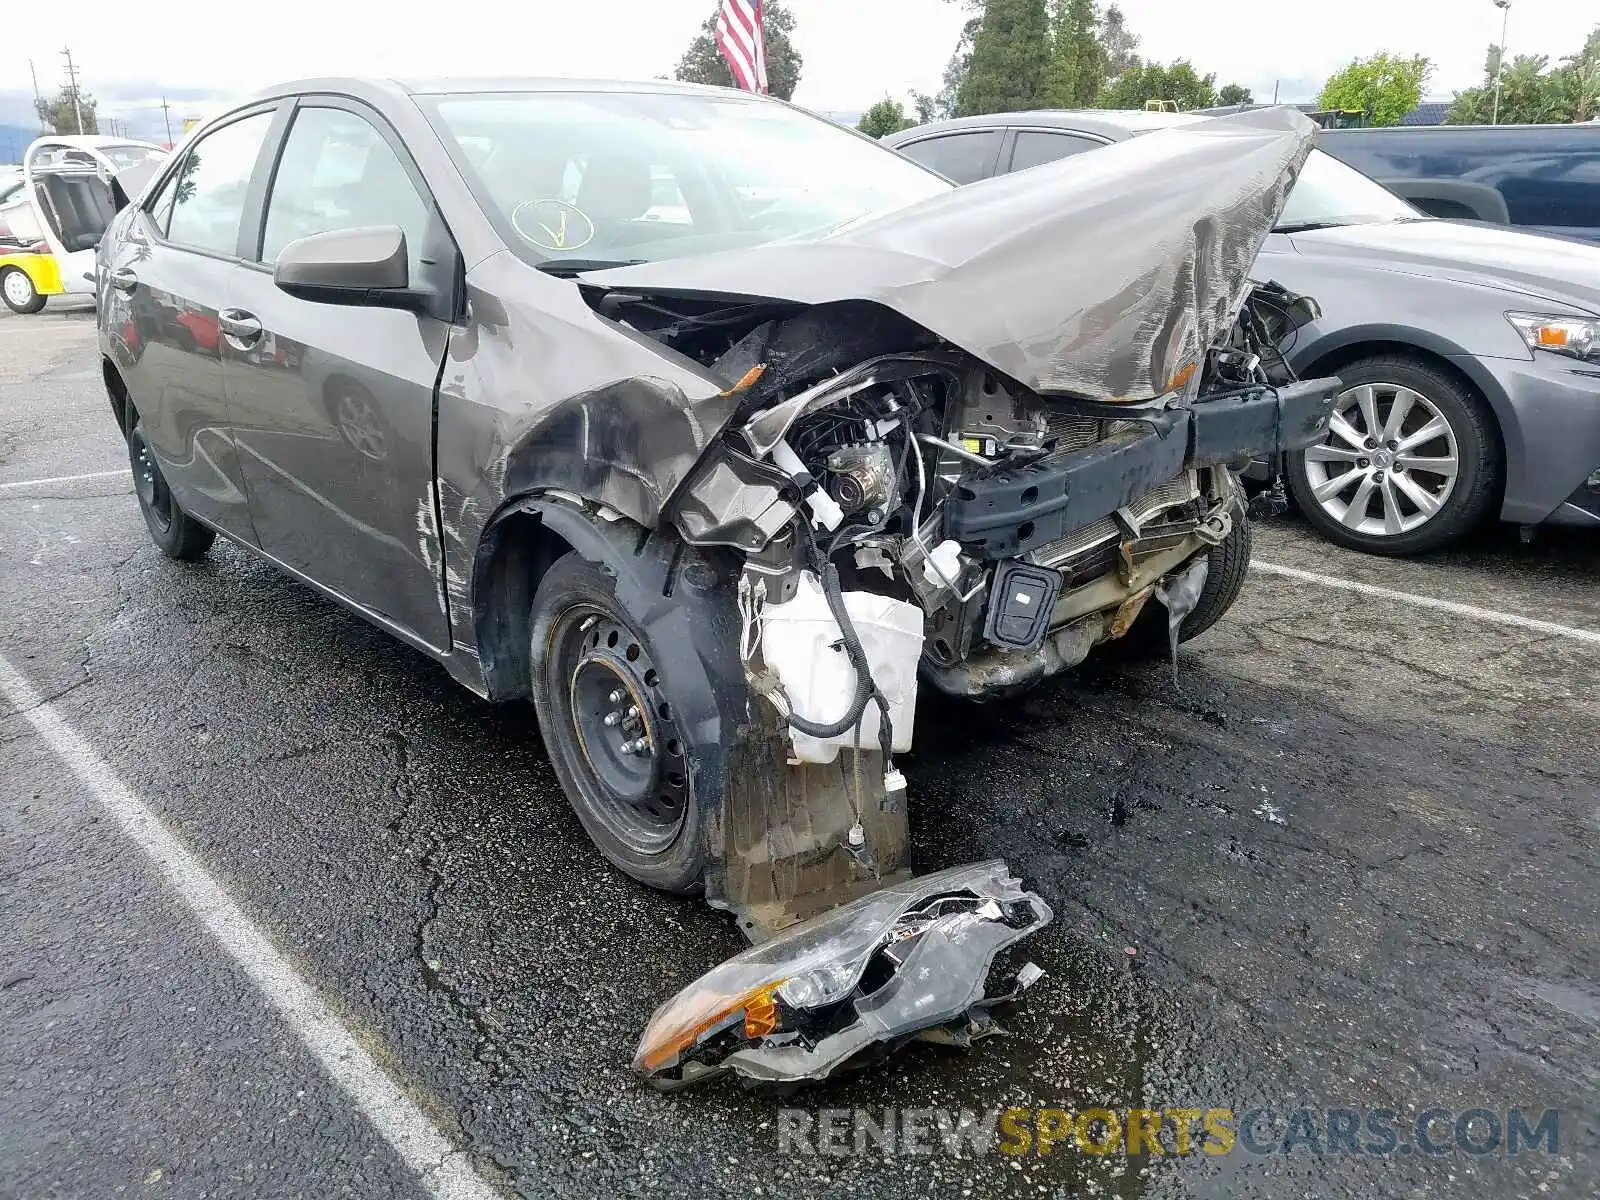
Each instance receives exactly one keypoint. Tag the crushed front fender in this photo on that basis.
(911, 960)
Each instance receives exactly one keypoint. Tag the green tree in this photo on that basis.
(944, 103)
(702, 62)
(1531, 93)
(885, 117)
(1078, 60)
(1235, 93)
(1010, 66)
(1121, 47)
(1580, 81)
(1179, 83)
(1385, 87)
(60, 116)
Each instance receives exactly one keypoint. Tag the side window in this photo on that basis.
(338, 172)
(209, 198)
(1034, 148)
(961, 157)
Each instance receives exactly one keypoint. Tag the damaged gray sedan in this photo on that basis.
(717, 430)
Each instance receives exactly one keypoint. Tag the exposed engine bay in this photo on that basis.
(982, 520)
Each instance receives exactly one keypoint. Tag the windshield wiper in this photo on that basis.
(1307, 226)
(566, 268)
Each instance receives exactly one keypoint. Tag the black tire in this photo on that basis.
(175, 533)
(12, 280)
(1479, 472)
(637, 808)
(1228, 565)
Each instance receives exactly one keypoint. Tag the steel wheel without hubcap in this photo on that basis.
(1389, 463)
(148, 481)
(627, 738)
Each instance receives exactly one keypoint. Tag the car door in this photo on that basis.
(164, 288)
(332, 406)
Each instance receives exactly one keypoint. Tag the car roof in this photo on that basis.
(359, 85)
(1501, 131)
(1112, 123)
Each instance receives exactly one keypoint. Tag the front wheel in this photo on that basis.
(17, 290)
(611, 730)
(1410, 462)
(1227, 565)
(175, 533)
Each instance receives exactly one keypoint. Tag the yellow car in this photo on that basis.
(53, 222)
(26, 278)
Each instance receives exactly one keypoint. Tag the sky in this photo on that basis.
(855, 51)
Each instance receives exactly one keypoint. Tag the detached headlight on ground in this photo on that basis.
(912, 960)
(1576, 337)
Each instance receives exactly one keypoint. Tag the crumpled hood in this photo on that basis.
(1103, 275)
(1485, 255)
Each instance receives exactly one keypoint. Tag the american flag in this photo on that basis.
(742, 43)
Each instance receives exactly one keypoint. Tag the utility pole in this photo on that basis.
(1500, 62)
(72, 82)
(38, 100)
(1275, 83)
(166, 116)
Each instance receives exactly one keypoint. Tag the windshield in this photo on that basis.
(123, 157)
(629, 176)
(1330, 193)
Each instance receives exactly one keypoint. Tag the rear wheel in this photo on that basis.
(1410, 463)
(17, 290)
(609, 725)
(175, 534)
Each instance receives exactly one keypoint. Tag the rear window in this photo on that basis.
(1035, 147)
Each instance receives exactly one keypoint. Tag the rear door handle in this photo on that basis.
(124, 280)
(241, 326)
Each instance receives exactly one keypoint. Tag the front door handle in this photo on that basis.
(124, 280)
(241, 326)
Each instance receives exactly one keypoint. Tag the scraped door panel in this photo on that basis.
(332, 405)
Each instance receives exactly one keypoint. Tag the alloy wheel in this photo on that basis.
(1389, 463)
(360, 425)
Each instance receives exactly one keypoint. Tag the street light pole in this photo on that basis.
(1500, 61)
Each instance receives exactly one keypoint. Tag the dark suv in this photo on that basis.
(1545, 178)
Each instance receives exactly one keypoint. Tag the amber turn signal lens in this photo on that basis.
(677, 1028)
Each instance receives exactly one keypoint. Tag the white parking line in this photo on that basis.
(22, 483)
(444, 1170)
(1492, 615)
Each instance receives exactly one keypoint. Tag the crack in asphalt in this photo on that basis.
(428, 851)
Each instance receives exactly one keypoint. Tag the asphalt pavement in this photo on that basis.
(1348, 860)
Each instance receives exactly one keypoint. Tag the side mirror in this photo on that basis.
(365, 266)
